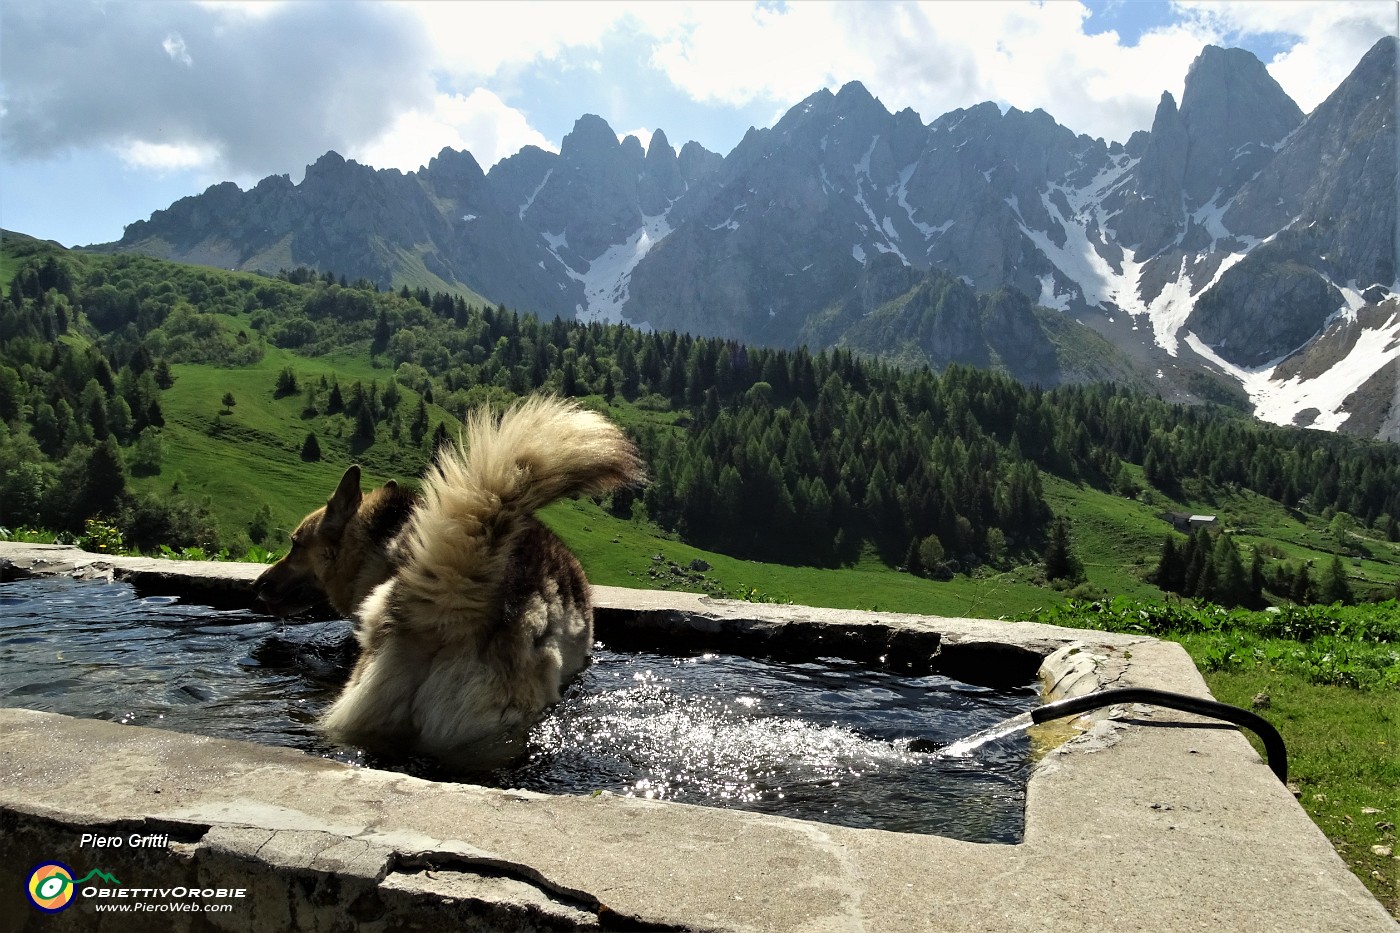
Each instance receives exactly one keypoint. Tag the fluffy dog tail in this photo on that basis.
(476, 497)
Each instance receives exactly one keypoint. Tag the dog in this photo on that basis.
(470, 615)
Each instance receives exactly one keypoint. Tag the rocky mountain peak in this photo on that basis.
(854, 96)
(326, 166)
(454, 163)
(1163, 164)
(455, 176)
(1232, 118)
(275, 184)
(661, 181)
(851, 110)
(1327, 204)
(1234, 113)
(591, 139)
(696, 162)
(659, 150)
(1319, 173)
(632, 150)
(1226, 82)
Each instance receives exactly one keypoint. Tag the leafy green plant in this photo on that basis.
(260, 555)
(101, 536)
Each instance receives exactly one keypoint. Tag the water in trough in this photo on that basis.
(824, 739)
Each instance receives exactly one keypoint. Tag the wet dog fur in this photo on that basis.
(471, 616)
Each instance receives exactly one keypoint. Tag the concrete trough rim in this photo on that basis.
(1144, 821)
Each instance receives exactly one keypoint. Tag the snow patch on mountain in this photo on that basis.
(1209, 217)
(901, 192)
(534, 194)
(1354, 299)
(863, 166)
(1049, 298)
(878, 226)
(1316, 401)
(606, 284)
(1077, 259)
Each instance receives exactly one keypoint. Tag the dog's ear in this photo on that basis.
(391, 486)
(343, 503)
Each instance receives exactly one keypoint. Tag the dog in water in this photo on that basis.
(471, 616)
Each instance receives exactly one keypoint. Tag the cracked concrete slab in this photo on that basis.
(1149, 820)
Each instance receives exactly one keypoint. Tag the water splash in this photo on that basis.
(964, 747)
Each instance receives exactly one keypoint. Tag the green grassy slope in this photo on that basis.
(251, 456)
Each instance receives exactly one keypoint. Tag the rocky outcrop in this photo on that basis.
(1338, 170)
(1264, 309)
(590, 197)
(1235, 115)
(940, 321)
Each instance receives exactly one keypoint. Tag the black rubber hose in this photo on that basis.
(1275, 751)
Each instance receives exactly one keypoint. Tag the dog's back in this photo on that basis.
(486, 615)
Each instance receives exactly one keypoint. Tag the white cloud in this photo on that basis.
(271, 91)
(932, 56)
(736, 53)
(936, 56)
(482, 39)
(642, 133)
(480, 122)
(174, 46)
(166, 156)
(242, 8)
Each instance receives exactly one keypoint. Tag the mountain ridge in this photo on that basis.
(1221, 240)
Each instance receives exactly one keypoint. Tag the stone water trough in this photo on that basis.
(1141, 819)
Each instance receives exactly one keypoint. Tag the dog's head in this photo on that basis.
(300, 580)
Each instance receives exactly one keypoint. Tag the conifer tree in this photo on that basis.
(1256, 579)
(1334, 587)
(1302, 591)
(1170, 574)
(911, 559)
(440, 438)
(364, 425)
(1231, 582)
(286, 383)
(418, 427)
(1197, 560)
(1061, 563)
(101, 485)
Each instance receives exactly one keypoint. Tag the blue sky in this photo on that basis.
(112, 110)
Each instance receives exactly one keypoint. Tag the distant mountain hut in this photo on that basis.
(1186, 523)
